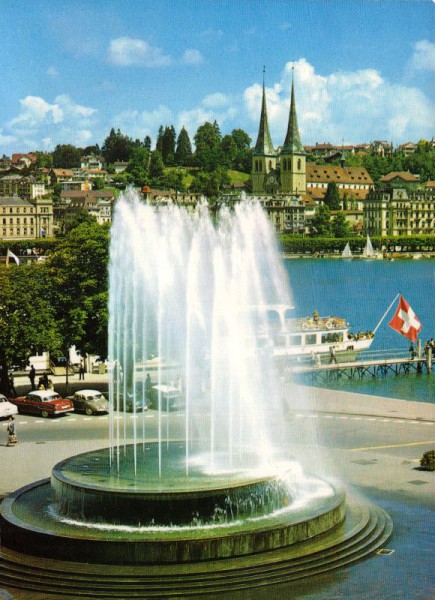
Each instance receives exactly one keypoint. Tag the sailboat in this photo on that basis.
(368, 251)
(347, 252)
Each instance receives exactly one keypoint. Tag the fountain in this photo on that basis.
(208, 492)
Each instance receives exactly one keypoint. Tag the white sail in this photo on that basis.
(368, 249)
(347, 253)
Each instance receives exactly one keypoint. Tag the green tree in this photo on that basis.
(44, 159)
(117, 146)
(228, 152)
(77, 218)
(208, 147)
(66, 156)
(332, 196)
(27, 317)
(138, 165)
(156, 165)
(243, 158)
(210, 183)
(78, 272)
(340, 227)
(159, 141)
(168, 145)
(183, 152)
(321, 223)
(147, 143)
(98, 183)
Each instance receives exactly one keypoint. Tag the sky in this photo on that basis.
(71, 70)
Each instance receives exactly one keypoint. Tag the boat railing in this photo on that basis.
(316, 324)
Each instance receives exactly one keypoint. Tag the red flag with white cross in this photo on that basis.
(405, 321)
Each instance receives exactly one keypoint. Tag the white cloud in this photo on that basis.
(126, 52)
(35, 110)
(138, 124)
(423, 57)
(216, 100)
(192, 57)
(352, 106)
(41, 123)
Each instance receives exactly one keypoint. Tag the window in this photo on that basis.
(299, 164)
(295, 340)
(310, 339)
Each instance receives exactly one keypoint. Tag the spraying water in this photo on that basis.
(187, 292)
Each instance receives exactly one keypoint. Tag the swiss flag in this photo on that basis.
(405, 321)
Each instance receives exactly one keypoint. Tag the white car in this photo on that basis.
(7, 408)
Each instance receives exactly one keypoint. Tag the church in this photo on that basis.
(283, 171)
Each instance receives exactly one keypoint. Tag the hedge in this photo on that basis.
(293, 244)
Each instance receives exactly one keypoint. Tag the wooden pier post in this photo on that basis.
(429, 360)
(419, 348)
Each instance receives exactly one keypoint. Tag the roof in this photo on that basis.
(264, 145)
(292, 142)
(319, 193)
(329, 173)
(430, 184)
(96, 171)
(405, 175)
(62, 172)
(17, 157)
(14, 201)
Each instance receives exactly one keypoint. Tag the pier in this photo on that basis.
(370, 364)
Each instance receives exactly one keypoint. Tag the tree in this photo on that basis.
(210, 183)
(27, 317)
(66, 156)
(183, 152)
(147, 143)
(340, 227)
(78, 273)
(208, 147)
(156, 165)
(117, 146)
(332, 196)
(91, 150)
(228, 151)
(243, 158)
(321, 223)
(159, 141)
(138, 165)
(168, 145)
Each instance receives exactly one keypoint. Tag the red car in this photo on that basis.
(43, 402)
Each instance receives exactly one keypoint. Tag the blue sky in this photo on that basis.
(71, 70)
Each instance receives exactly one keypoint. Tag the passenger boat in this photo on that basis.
(319, 339)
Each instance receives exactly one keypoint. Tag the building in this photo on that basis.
(22, 219)
(98, 203)
(23, 161)
(408, 148)
(400, 179)
(92, 162)
(188, 200)
(353, 183)
(60, 175)
(17, 185)
(283, 171)
(398, 212)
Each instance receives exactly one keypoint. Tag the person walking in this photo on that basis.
(32, 375)
(332, 355)
(12, 435)
(12, 389)
(81, 371)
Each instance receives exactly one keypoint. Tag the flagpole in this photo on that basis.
(386, 313)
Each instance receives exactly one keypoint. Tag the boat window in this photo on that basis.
(310, 339)
(280, 341)
(295, 340)
(331, 338)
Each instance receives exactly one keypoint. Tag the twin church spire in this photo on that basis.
(280, 171)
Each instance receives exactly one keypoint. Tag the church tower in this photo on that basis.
(264, 156)
(292, 157)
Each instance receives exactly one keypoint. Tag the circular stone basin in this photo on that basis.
(89, 513)
(150, 486)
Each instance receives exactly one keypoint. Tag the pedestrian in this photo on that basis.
(148, 385)
(81, 371)
(12, 435)
(332, 355)
(44, 380)
(412, 351)
(12, 389)
(32, 375)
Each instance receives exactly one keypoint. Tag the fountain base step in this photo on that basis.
(365, 529)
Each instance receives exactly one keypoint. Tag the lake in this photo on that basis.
(361, 291)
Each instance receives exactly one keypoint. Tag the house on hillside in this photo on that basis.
(401, 178)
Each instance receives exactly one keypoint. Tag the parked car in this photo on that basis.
(132, 404)
(170, 397)
(92, 402)
(6, 408)
(43, 402)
